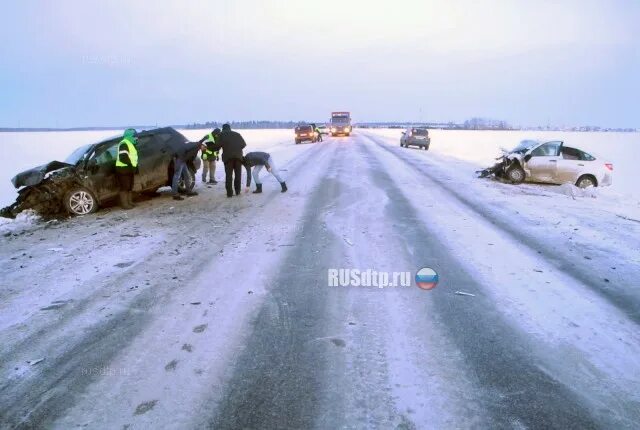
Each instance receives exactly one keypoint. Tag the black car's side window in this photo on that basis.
(108, 155)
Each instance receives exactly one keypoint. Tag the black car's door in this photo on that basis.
(101, 170)
(154, 157)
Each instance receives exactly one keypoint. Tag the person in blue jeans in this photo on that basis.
(257, 160)
(188, 152)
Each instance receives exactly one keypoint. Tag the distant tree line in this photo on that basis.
(471, 124)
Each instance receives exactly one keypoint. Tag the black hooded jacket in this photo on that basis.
(231, 143)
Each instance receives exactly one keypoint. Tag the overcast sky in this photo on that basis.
(119, 62)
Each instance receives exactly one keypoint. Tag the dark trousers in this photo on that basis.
(231, 167)
(125, 180)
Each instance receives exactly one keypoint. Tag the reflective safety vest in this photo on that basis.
(208, 153)
(132, 152)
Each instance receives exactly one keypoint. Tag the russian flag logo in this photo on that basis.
(426, 278)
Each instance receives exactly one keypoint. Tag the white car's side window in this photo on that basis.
(549, 149)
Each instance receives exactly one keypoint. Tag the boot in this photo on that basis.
(130, 199)
(284, 187)
(258, 189)
(124, 202)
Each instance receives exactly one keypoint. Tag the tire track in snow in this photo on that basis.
(516, 391)
(277, 380)
(44, 394)
(623, 299)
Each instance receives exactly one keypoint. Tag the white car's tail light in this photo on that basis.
(609, 166)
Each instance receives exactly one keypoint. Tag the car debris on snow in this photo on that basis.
(462, 293)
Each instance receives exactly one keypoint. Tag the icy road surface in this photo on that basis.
(216, 312)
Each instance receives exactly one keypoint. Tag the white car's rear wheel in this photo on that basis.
(586, 181)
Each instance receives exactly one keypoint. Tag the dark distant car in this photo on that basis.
(86, 179)
(305, 133)
(416, 136)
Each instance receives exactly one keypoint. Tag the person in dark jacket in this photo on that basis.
(232, 145)
(258, 160)
(180, 158)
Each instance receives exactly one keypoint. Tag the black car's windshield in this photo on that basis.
(78, 154)
(524, 145)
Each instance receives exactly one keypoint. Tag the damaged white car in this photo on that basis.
(550, 162)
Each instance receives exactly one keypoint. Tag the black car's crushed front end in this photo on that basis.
(45, 195)
(34, 176)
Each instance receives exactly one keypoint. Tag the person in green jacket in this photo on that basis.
(209, 157)
(317, 132)
(127, 167)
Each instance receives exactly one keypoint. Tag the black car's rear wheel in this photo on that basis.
(80, 201)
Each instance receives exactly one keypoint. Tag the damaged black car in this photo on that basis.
(86, 179)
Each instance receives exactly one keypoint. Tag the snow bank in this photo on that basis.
(24, 221)
(573, 191)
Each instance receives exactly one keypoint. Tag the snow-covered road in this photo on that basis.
(216, 312)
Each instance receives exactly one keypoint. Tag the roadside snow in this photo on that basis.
(24, 221)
